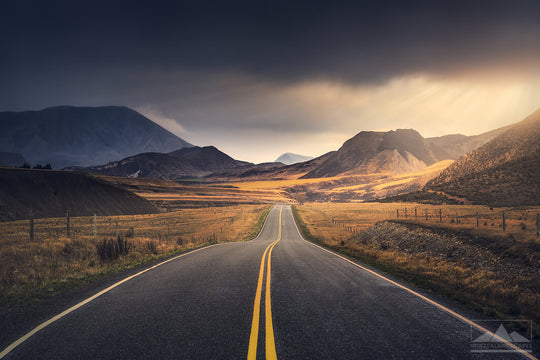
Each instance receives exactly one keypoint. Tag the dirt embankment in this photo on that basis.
(511, 259)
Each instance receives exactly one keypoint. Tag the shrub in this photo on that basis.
(152, 246)
(111, 249)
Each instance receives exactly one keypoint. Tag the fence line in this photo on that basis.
(499, 219)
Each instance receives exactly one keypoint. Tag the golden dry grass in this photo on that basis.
(53, 260)
(347, 187)
(171, 196)
(354, 217)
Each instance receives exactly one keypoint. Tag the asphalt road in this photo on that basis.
(201, 306)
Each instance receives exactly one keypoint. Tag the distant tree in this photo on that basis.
(38, 166)
(26, 166)
(48, 166)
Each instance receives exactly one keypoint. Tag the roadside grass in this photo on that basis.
(255, 230)
(484, 268)
(53, 262)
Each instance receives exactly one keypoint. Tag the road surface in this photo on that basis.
(221, 303)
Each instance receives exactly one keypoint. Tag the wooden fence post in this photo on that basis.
(67, 223)
(440, 215)
(415, 215)
(477, 219)
(397, 213)
(405, 213)
(504, 221)
(95, 226)
(457, 217)
(426, 214)
(31, 225)
(537, 224)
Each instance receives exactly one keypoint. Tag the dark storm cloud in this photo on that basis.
(284, 40)
(303, 74)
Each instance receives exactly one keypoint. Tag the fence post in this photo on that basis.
(426, 214)
(95, 226)
(405, 213)
(537, 224)
(504, 221)
(457, 217)
(67, 223)
(440, 215)
(397, 212)
(415, 215)
(31, 225)
(477, 219)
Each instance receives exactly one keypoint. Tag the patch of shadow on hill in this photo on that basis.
(51, 193)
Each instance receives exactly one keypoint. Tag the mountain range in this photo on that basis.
(498, 167)
(192, 162)
(368, 152)
(82, 136)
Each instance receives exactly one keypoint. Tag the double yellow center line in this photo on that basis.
(269, 328)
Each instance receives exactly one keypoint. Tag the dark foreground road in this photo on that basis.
(201, 306)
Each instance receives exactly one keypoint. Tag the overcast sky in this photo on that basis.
(260, 78)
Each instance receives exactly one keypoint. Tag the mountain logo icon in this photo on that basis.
(500, 335)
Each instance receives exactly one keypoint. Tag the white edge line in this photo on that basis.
(43, 325)
(264, 225)
(432, 302)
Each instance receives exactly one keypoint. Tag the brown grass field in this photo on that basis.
(171, 196)
(54, 262)
(490, 270)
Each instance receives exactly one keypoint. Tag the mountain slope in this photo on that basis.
(177, 165)
(503, 172)
(83, 136)
(50, 193)
(456, 145)
(397, 151)
(290, 158)
(208, 158)
(11, 159)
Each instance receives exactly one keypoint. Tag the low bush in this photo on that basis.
(112, 249)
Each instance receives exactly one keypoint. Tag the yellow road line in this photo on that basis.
(84, 302)
(270, 342)
(442, 307)
(254, 335)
